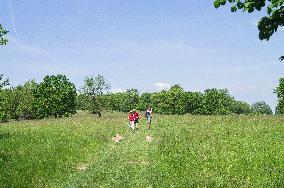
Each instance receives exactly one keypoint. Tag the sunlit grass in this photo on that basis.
(186, 151)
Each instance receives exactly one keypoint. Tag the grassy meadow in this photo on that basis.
(186, 151)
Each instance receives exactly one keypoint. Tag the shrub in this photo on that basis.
(4, 114)
(216, 102)
(113, 101)
(177, 99)
(173, 101)
(130, 100)
(261, 108)
(241, 107)
(194, 102)
(145, 101)
(160, 104)
(4, 105)
(26, 108)
(82, 102)
(19, 102)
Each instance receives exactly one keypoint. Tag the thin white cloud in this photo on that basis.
(162, 86)
(244, 88)
(26, 47)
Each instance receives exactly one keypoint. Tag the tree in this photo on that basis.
(145, 101)
(261, 108)
(177, 100)
(130, 100)
(159, 102)
(94, 88)
(216, 102)
(55, 96)
(3, 102)
(4, 105)
(194, 102)
(268, 24)
(280, 95)
(3, 32)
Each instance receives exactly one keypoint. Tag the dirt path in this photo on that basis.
(127, 159)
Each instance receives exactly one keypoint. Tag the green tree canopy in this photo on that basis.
(93, 89)
(55, 96)
(261, 108)
(268, 24)
(280, 95)
(95, 86)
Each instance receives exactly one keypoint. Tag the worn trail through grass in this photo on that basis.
(124, 164)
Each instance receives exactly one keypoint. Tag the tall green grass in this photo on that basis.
(186, 151)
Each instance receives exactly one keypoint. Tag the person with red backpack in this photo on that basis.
(131, 120)
(136, 119)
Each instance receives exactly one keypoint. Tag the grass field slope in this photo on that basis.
(185, 151)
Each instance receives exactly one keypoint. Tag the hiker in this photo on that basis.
(131, 120)
(136, 119)
(148, 115)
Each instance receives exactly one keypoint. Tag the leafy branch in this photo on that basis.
(3, 32)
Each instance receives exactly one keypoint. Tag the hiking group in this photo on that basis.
(133, 118)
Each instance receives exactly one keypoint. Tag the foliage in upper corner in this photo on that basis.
(3, 32)
(268, 24)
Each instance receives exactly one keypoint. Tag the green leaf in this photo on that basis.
(217, 4)
(234, 9)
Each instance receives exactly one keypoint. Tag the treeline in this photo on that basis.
(178, 101)
(56, 96)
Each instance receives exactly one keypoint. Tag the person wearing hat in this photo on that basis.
(131, 120)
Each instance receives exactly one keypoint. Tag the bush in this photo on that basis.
(160, 104)
(241, 107)
(173, 101)
(194, 102)
(261, 108)
(55, 96)
(17, 102)
(130, 100)
(26, 108)
(114, 101)
(82, 102)
(216, 102)
(4, 112)
(4, 105)
(145, 101)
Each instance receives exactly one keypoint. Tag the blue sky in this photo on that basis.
(141, 44)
